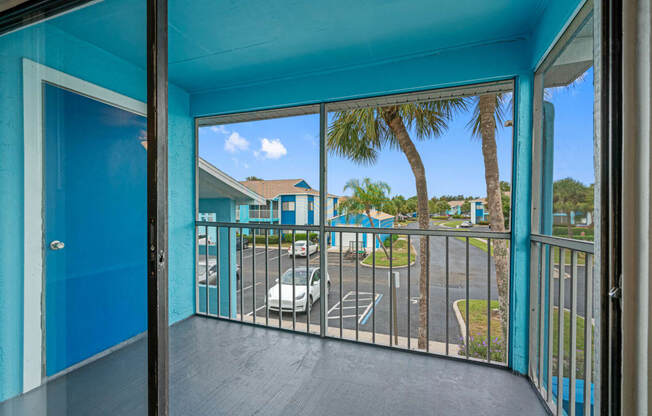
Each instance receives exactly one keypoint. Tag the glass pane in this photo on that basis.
(443, 165)
(73, 124)
(268, 174)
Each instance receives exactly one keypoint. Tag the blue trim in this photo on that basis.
(371, 311)
(520, 244)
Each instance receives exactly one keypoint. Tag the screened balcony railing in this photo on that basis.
(373, 297)
(262, 213)
(561, 344)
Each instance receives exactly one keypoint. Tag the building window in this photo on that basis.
(288, 206)
(311, 205)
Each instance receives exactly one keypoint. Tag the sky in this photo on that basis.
(288, 148)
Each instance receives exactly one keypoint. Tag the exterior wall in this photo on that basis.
(222, 209)
(45, 44)
(288, 217)
(311, 212)
(301, 212)
(363, 221)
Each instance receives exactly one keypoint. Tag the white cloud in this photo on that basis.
(219, 129)
(235, 143)
(271, 149)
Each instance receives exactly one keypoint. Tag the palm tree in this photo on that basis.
(367, 195)
(488, 114)
(360, 134)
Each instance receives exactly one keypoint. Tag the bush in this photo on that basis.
(478, 347)
(287, 237)
(440, 217)
(393, 237)
(260, 239)
(458, 216)
(483, 222)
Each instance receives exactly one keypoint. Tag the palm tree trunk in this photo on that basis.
(487, 107)
(371, 224)
(395, 122)
(570, 226)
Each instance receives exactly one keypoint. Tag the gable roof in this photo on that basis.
(272, 188)
(213, 183)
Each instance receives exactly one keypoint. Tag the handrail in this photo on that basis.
(578, 245)
(374, 230)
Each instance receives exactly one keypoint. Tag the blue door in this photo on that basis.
(95, 207)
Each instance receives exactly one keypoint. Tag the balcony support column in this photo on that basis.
(519, 304)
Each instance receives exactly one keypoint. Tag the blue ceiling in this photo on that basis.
(221, 44)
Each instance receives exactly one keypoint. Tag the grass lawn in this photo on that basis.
(478, 328)
(452, 224)
(399, 255)
(581, 257)
(480, 243)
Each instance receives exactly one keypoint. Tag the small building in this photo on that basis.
(285, 201)
(455, 207)
(479, 210)
(219, 194)
(380, 220)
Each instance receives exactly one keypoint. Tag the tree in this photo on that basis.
(400, 204)
(441, 207)
(367, 195)
(253, 178)
(488, 114)
(568, 196)
(360, 134)
(466, 207)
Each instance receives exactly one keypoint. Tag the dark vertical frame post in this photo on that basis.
(157, 208)
(323, 211)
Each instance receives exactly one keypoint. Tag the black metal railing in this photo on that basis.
(264, 274)
(562, 324)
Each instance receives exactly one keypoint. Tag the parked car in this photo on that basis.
(466, 224)
(239, 243)
(212, 274)
(299, 248)
(302, 303)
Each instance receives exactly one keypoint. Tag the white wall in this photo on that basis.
(301, 207)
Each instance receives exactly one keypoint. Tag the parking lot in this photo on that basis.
(370, 309)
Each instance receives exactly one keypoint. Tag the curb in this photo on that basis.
(393, 267)
(460, 320)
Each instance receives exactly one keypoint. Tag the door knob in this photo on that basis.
(57, 245)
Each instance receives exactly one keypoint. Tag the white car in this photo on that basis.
(299, 248)
(466, 224)
(302, 303)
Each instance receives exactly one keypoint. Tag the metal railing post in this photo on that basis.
(323, 211)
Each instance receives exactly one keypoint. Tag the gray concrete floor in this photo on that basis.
(226, 368)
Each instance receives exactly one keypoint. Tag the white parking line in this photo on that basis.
(250, 286)
(251, 313)
(365, 303)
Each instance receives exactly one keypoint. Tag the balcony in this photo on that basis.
(256, 214)
(276, 372)
(432, 320)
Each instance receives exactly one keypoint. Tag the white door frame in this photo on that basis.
(34, 77)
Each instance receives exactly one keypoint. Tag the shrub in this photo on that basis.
(260, 239)
(287, 237)
(440, 217)
(478, 347)
(483, 222)
(393, 237)
(458, 216)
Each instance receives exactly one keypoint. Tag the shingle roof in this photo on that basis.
(272, 188)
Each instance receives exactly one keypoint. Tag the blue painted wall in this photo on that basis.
(311, 212)
(363, 221)
(553, 20)
(224, 210)
(48, 45)
(287, 216)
